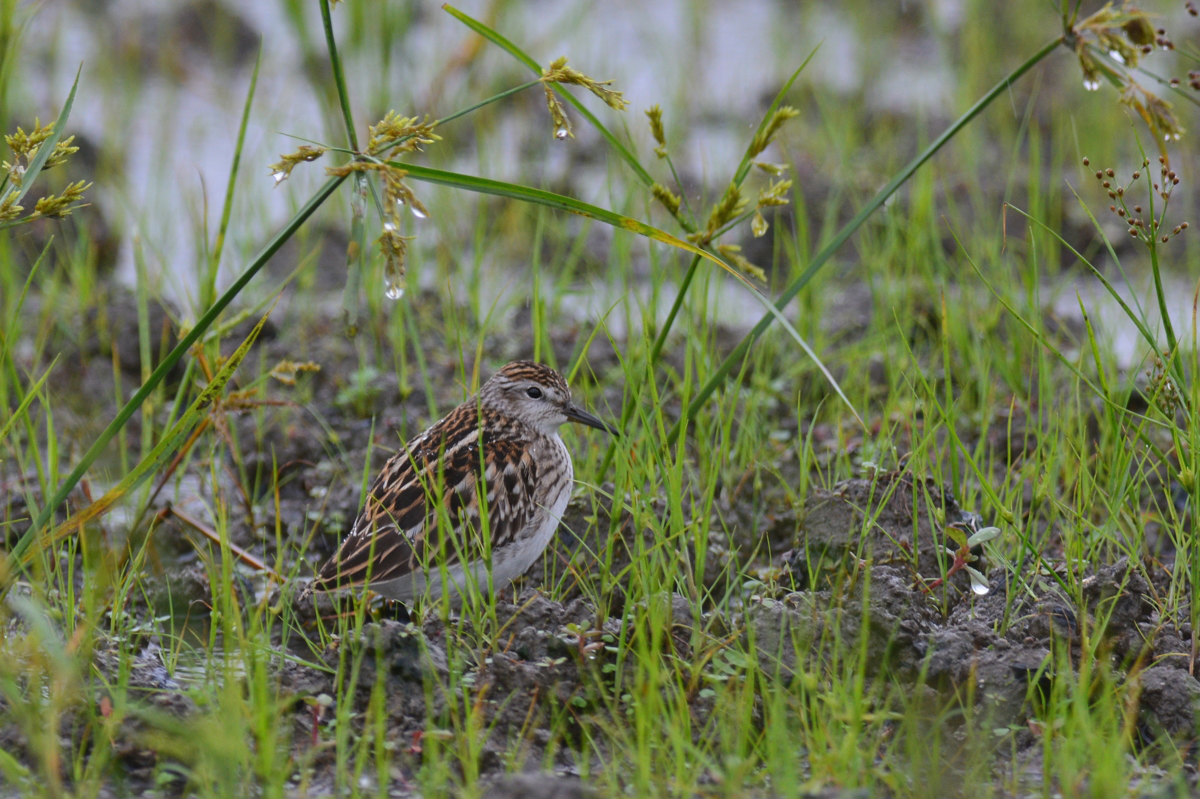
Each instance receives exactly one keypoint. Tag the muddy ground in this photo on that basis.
(795, 576)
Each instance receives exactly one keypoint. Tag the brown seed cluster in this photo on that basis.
(1148, 228)
(1160, 40)
(1161, 386)
(1193, 76)
(1110, 45)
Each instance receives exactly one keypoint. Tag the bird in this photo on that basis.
(495, 466)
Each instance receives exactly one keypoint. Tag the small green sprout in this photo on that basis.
(967, 538)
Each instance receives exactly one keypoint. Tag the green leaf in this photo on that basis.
(744, 167)
(14, 771)
(979, 583)
(983, 536)
(561, 202)
(957, 535)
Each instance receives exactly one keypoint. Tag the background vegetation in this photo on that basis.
(180, 345)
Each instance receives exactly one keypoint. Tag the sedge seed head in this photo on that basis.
(282, 168)
(654, 115)
(559, 72)
(669, 200)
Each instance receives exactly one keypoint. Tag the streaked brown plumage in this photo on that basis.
(422, 523)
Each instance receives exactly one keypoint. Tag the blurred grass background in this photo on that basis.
(162, 86)
(916, 339)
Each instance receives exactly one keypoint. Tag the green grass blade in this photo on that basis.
(493, 36)
(339, 75)
(173, 357)
(13, 770)
(162, 452)
(1134, 317)
(485, 102)
(15, 317)
(210, 288)
(356, 255)
(820, 259)
(561, 202)
(27, 400)
(1042, 342)
(1094, 347)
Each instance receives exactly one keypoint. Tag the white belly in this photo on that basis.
(507, 563)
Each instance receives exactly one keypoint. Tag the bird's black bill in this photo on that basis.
(583, 417)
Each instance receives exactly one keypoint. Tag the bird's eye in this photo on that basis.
(534, 392)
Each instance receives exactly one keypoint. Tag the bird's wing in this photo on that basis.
(400, 529)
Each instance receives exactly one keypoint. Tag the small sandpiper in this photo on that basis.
(479, 493)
